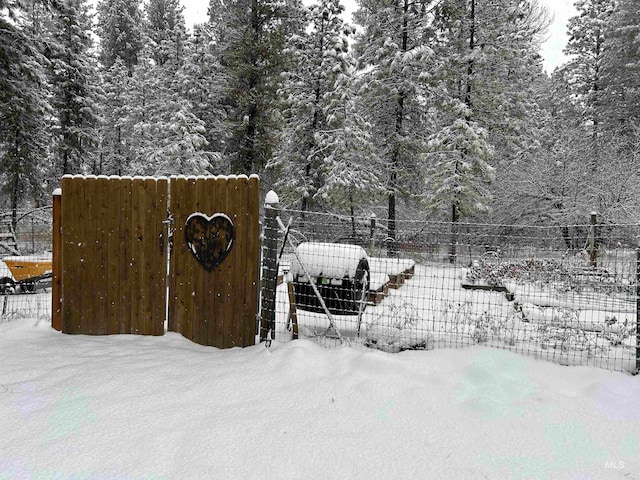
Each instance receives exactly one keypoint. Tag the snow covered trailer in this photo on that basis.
(340, 273)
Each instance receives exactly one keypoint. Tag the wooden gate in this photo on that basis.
(216, 307)
(111, 247)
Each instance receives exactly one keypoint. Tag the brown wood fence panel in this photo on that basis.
(215, 307)
(112, 255)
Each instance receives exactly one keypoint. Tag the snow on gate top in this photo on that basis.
(163, 177)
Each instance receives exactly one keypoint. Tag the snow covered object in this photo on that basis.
(340, 273)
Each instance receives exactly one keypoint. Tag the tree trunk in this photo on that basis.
(353, 218)
(453, 246)
(392, 247)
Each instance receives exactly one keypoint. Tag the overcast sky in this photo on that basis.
(561, 10)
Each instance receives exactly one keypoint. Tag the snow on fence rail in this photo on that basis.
(568, 294)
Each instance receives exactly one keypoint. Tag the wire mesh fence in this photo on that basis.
(25, 264)
(568, 294)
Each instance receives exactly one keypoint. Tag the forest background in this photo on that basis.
(428, 109)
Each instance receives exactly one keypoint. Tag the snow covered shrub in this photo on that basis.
(568, 275)
(570, 339)
(398, 327)
(481, 324)
(498, 327)
(617, 336)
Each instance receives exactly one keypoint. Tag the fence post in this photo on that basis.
(593, 257)
(56, 240)
(637, 371)
(372, 233)
(269, 266)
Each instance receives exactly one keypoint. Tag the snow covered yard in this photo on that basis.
(128, 407)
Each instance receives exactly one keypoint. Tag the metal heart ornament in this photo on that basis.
(210, 239)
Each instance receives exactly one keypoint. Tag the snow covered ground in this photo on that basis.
(127, 407)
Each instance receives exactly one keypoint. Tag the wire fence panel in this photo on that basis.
(25, 305)
(568, 294)
(25, 264)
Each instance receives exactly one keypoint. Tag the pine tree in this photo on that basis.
(114, 157)
(319, 57)
(167, 137)
(586, 48)
(394, 54)
(254, 33)
(621, 69)
(120, 32)
(203, 85)
(351, 167)
(165, 30)
(73, 73)
(24, 110)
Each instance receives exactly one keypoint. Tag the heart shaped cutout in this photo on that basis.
(210, 239)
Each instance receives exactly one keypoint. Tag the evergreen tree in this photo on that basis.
(167, 137)
(351, 168)
(621, 69)
(165, 30)
(24, 110)
(114, 157)
(319, 56)
(120, 32)
(394, 54)
(586, 48)
(203, 84)
(73, 73)
(490, 62)
(253, 34)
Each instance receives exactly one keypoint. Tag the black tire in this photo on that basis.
(362, 282)
(28, 287)
(6, 285)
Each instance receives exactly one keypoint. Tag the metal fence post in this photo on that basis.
(637, 371)
(593, 250)
(372, 233)
(269, 267)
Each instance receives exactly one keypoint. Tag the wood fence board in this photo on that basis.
(198, 320)
(200, 313)
(72, 200)
(224, 272)
(124, 266)
(208, 280)
(136, 261)
(182, 200)
(114, 257)
(177, 190)
(219, 281)
(238, 205)
(101, 216)
(88, 267)
(189, 261)
(147, 271)
(56, 286)
(160, 206)
(253, 259)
